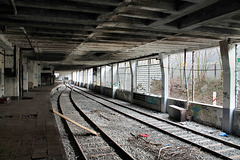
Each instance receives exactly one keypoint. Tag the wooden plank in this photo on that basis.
(213, 145)
(235, 157)
(225, 150)
(77, 124)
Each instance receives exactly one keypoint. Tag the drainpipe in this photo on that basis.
(13, 6)
(25, 33)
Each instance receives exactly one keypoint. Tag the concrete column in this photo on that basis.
(114, 79)
(101, 79)
(78, 77)
(228, 62)
(12, 78)
(25, 74)
(1, 72)
(133, 65)
(86, 76)
(74, 76)
(39, 74)
(35, 74)
(164, 69)
(32, 74)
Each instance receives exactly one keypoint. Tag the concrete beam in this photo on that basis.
(228, 62)
(5, 43)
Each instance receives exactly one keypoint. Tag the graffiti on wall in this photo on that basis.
(196, 110)
(151, 100)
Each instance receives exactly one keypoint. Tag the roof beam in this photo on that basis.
(65, 6)
(209, 13)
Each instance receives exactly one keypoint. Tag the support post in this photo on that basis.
(131, 70)
(185, 75)
(164, 69)
(115, 79)
(228, 62)
(193, 82)
(101, 87)
(112, 79)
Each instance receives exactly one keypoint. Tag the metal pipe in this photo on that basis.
(30, 43)
(13, 6)
(25, 33)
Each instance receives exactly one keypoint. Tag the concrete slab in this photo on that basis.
(177, 113)
(28, 129)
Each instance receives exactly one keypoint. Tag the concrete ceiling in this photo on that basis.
(75, 34)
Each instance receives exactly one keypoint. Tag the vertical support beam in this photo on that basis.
(228, 62)
(133, 67)
(39, 75)
(164, 69)
(20, 73)
(185, 75)
(101, 80)
(193, 82)
(112, 79)
(25, 74)
(115, 79)
(87, 78)
(131, 71)
(149, 81)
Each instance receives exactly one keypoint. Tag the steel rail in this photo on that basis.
(83, 156)
(121, 152)
(164, 131)
(172, 123)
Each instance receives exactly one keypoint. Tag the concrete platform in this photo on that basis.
(28, 129)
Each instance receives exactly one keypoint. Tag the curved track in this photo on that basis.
(208, 143)
(90, 146)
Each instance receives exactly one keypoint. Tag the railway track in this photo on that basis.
(218, 147)
(90, 146)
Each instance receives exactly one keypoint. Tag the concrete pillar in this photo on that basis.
(164, 69)
(1, 72)
(78, 77)
(25, 74)
(86, 76)
(74, 76)
(32, 74)
(114, 79)
(2, 51)
(12, 77)
(133, 66)
(101, 80)
(35, 75)
(39, 74)
(228, 62)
